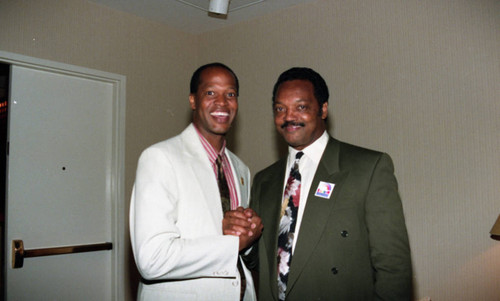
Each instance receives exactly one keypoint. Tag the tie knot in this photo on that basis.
(299, 155)
(219, 161)
(296, 162)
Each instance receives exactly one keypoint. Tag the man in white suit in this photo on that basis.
(176, 213)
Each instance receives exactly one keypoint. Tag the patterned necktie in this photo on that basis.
(226, 206)
(223, 188)
(289, 209)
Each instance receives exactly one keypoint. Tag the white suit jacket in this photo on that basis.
(176, 224)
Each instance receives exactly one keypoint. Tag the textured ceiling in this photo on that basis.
(192, 15)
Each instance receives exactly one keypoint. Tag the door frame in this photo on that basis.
(117, 172)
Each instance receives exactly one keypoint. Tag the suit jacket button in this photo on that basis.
(335, 271)
(344, 233)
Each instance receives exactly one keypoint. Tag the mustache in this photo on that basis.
(292, 123)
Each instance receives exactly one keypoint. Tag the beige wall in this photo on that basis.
(156, 60)
(417, 79)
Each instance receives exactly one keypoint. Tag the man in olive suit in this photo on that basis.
(333, 221)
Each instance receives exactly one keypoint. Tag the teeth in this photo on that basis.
(219, 114)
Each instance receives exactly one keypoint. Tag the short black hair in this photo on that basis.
(195, 79)
(302, 73)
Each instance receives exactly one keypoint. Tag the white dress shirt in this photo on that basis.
(307, 168)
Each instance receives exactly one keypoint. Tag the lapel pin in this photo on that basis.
(324, 190)
(241, 180)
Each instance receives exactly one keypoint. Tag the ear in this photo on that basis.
(324, 111)
(192, 101)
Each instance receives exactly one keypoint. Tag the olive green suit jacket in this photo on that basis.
(351, 246)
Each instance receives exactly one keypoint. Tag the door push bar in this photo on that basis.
(19, 253)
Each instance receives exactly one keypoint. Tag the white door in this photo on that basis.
(63, 185)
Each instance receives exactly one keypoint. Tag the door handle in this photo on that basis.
(19, 252)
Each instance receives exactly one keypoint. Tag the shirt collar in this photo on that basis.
(313, 151)
(211, 151)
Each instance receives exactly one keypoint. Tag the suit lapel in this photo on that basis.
(270, 197)
(204, 175)
(317, 210)
(240, 181)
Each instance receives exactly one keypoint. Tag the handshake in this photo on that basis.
(244, 223)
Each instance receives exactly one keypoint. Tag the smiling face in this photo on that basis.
(297, 114)
(214, 104)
